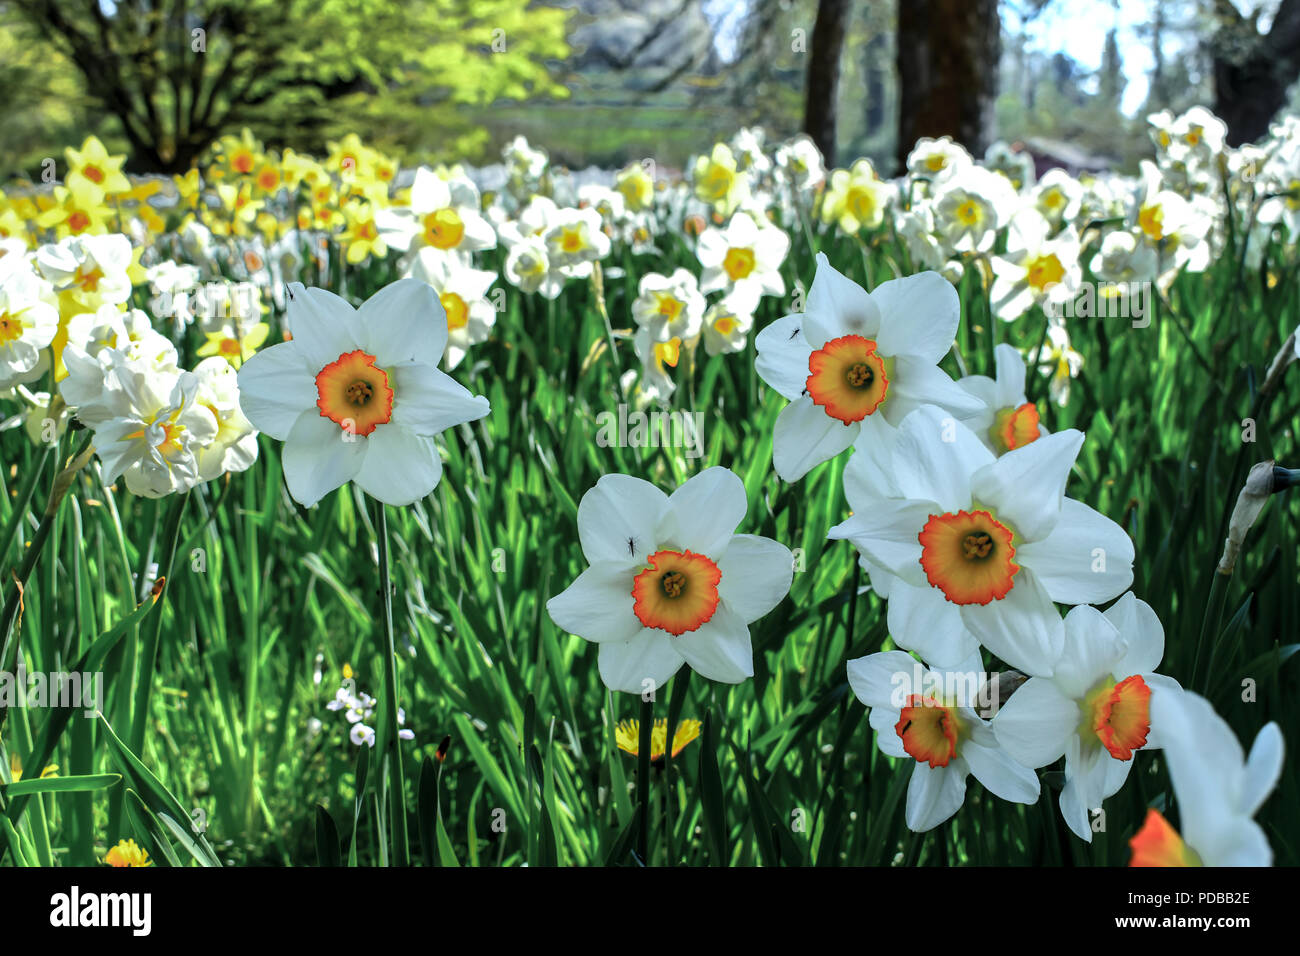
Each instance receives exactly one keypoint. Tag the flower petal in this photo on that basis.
(704, 512)
(400, 467)
(1026, 485)
(403, 323)
(1023, 628)
(597, 606)
(427, 400)
(319, 457)
(617, 520)
(919, 315)
(756, 575)
(805, 436)
(275, 388)
(719, 649)
(642, 664)
(1086, 559)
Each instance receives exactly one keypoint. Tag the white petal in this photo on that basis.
(783, 354)
(805, 436)
(1010, 375)
(921, 619)
(756, 575)
(1263, 769)
(1035, 722)
(704, 512)
(318, 457)
(597, 606)
(1087, 558)
(933, 795)
(404, 322)
(1000, 773)
(887, 535)
(1142, 632)
(1027, 485)
(275, 388)
(323, 325)
(1023, 628)
(427, 400)
(916, 383)
(400, 467)
(837, 306)
(884, 681)
(617, 520)
(1092, 650)
(719, 649)
(919, 316)
(644, 663)
(931, 467)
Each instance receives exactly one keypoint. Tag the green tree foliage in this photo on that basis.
(177, 74)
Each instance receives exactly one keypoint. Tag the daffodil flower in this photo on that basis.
(980, 547)
(1095, 709)
(855, 363)
(1007, 420)
(928, 717)
(357, 394)
(1217, 788)
(744, 251)
(669, 581)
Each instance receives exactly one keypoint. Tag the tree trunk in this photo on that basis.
(1250, 85)
(824, 74)
(947, 71)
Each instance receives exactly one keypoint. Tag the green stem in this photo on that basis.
(643, 780)
(397, 779)
(33, 553)
(1213, 616)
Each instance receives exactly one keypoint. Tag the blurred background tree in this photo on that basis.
(178, 74)
(603, 82)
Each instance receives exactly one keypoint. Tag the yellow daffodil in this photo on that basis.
(234, 347)
(78, 210)
(628, 736)
(127, 853)
(92, 164)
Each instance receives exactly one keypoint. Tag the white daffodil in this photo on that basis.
(801, 161)
(727, 322)
(982, 546)
(928, 716)
(1057, 196)
(669, 307)
(970, 206)
(1058, 360)
(670, 582)
(654, 382)
(357, 394)
(856, 363)
(1217, 788)
(936, 159)
(1125, 258)
(234, 446)
(443, 214)
(29, 322)
(575, 240)
(744, 251)
(153, 442)
(463, 294)
(1036, 269)
(1006, 419)
(528, 267)
(109, 329)
(1095, 708)
(90, 268)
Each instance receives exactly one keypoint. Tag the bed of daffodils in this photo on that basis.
(760, 514)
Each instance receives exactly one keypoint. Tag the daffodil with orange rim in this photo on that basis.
(670, 582)
(854, 363)
(920, 715)
(1095, 707)
(976, 549)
